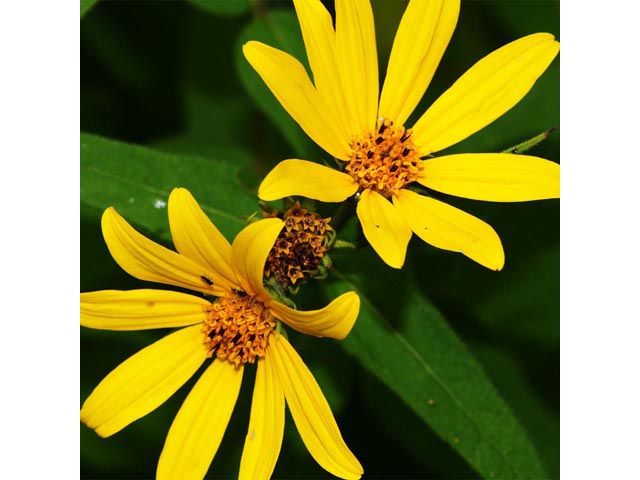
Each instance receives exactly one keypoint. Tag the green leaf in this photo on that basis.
(137, 181)
(407, 433)
(530, 293)
(279, 29)
(85, 6)
(403, 340)
(223, 7)
(203, 133)
(542, 424)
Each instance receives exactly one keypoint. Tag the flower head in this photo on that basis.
(300, 249)
(343, 113)
(236, 328)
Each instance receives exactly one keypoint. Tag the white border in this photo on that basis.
(600, 240)
(39, 238)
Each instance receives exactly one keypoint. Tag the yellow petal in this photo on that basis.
(140, 309)
(266, 425)
(146, 260)
(196, 237)
(320, 43)
(197, 430)
(384, 228)
(335, 320)
(249, 252)
(486, 91)
(357, 61)
(423, 35)
(143, 382)
(288, 81)
(311, 413)
(307, 179)
(497, 177)
(449, 228)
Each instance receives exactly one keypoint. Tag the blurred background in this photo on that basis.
(170, 75)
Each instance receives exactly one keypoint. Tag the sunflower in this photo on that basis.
(382, 159)
(240, 326)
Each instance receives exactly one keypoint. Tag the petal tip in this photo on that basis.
(394, 261)
(247, 45)
(83, 416)
(251, 47)
(351, 316)
(498, 265)
(86, 419)
(551, 40)
(109, 211)
(397, 266)
(179, 191)
(109, 216)
(543, 36)
(264, 194)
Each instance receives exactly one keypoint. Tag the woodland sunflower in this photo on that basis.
(240, 326)
(382, 160)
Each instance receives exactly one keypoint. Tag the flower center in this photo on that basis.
(300, 247)
(237, 328)
(384, 160)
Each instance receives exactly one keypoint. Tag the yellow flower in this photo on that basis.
(342, 113)
(238, 327)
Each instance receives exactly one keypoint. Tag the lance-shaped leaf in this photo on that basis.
(403, 340)
(137, 181)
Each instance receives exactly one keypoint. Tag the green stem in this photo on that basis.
(259, 8)
(343, 213)
(528, 144)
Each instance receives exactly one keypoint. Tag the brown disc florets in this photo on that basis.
(237, 328)
(300, 247)
(384, 160)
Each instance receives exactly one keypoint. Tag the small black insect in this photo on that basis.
(206, 280)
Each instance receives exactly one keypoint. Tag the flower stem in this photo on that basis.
(528, 144)
(259, 8)
(343, 213)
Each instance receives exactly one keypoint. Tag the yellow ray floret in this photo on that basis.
(496, 177)
(312, 415)
(266, 424)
